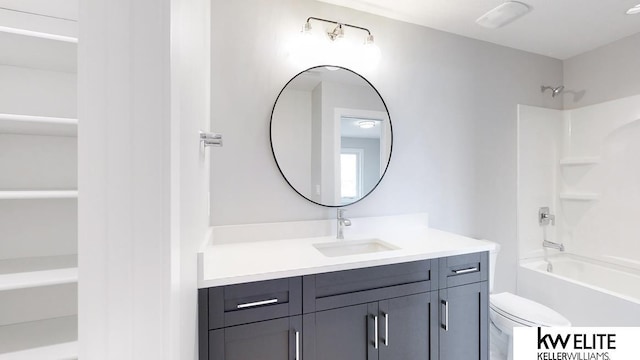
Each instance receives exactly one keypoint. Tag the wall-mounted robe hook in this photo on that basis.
(210, 139)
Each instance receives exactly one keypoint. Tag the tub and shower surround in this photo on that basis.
(584, 165)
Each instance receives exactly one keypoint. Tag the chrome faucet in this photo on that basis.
(553, 245)
(342, 222)
(545, 218)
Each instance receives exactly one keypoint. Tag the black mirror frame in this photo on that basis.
(276, 159)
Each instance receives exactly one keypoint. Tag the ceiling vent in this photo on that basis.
(503, 14)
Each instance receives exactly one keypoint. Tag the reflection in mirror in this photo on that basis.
(331, 135)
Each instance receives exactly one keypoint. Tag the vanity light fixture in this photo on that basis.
(504, 14)
(366, 124)
(338, 31)
(634, 10)
(337, 47)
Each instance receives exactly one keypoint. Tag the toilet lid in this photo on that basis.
(525, 311)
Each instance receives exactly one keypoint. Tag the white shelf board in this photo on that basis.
(37, 125)
(63, 351)
(47, 339)
(579, 196)
(38, 194)
(38, 34)
(37, 50)
(24, 280)
(587, 160)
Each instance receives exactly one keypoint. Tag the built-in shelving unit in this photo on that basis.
(38, 288)
(579, 196)
(585, 160)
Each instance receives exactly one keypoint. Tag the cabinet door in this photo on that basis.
(345, 333)
(405, 327)
(464, 322)
(278, 339)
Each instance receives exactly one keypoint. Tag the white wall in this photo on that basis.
(539, 151)
(143, 176)
(124, 167)
(190, 111)
(452, 102)
(37, 92)
(607, 73)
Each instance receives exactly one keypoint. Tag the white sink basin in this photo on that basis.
(353, 247)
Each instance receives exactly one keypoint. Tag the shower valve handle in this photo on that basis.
(545, 217)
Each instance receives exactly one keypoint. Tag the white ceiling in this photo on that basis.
(555, 28)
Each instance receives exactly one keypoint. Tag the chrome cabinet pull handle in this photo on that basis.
(298, 345)
(257, 303)
(375, 332)
(464, 271)
(445, 326)
(386, 329)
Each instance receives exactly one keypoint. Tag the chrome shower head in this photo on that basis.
(554, 91)
(557, 91)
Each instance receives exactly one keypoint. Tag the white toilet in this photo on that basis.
(507, 311)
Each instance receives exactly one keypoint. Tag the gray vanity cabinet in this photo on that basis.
(277, 339)
(404, 330)
(463, 302)
(259, 320)
(420, 310)
(337, 334)
(409, 325)
(377, 313)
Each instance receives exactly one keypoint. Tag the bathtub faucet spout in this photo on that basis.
(552, 245)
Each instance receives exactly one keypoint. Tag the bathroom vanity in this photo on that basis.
(379, 288)
(427, 298)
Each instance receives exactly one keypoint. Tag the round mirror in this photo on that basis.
(331, 135)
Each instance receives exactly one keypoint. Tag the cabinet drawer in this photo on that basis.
(349, 287)
(250, 302)
(463, 269)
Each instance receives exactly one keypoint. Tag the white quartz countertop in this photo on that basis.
(241, 262)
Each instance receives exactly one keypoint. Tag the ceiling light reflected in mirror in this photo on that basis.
(366, 124)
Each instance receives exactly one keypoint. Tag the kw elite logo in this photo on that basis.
(576, 343)
(595, 346)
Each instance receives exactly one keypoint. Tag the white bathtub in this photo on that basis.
(587, 292)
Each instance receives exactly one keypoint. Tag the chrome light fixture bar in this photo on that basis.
(338, 31)
(337, 48)
(634, 10)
